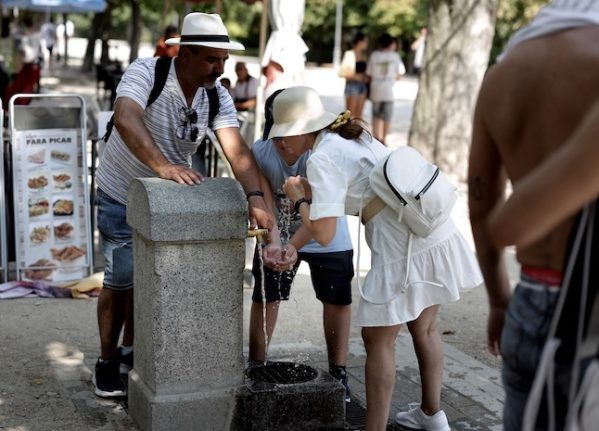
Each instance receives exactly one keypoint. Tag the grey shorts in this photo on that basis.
(117, 243)
(382, 110)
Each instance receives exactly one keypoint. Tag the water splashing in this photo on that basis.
(261, 236)
(263, 293)
(286, 208)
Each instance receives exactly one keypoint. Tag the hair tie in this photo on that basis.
(341, 119)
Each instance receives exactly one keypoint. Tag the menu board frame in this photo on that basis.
(53, 238)
(3, 230)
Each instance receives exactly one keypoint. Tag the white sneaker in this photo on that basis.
(416, 418)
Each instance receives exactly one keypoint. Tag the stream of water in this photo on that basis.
(286, 215)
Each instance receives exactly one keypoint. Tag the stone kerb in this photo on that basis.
(189, 251)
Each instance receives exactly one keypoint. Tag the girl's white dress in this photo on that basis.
(440, 265)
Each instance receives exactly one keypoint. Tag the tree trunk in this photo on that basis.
(104, 34)
(457, 54)
(164, 20)
(88, 59)
(135, 29)
(100, 29)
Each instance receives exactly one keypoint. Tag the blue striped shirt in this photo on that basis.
(118, 165)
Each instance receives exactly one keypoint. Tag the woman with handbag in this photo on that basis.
(405, 284)
(353, 69)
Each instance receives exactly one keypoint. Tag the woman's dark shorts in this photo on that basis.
(331, 275)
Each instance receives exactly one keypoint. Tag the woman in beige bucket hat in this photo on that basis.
(343, 155)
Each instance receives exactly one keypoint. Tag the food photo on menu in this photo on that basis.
(37, 182)
(38, 207)
(63, 207)
(62, 181)
(63, 231)
(37, 157)
(39, 270)
(68, 258)
(39, 234)
(60, 156)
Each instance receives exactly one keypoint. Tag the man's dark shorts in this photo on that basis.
(331, 275)
(117, 243)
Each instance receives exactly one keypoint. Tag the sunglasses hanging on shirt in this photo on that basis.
(187, 118)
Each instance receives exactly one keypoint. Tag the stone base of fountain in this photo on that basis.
(286, 396)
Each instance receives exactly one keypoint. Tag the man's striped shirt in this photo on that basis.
(118, 166)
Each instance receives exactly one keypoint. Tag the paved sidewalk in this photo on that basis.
(48, 346)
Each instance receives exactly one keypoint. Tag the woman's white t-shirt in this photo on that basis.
(338, 171)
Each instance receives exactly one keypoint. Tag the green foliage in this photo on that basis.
(318, 29)
(511, 15)
(153, 21)
(400, 18)
(82, 23)
(242, 21)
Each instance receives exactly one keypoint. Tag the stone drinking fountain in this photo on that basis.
(189, 247)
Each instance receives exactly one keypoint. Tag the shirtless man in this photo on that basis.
(528, 107)
(570, 177)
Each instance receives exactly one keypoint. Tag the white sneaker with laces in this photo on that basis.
(416, 418)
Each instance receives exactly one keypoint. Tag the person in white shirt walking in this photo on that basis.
(384, 68)
(49, 36)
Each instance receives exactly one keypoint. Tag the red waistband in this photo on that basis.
(548, 276)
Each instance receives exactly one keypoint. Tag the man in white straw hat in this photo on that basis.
(529, 104)
(156, 131)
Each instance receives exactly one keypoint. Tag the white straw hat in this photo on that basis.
(297, 111)
(205, 29)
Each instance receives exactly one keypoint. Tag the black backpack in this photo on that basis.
(163, 65)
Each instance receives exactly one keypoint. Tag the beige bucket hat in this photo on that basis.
(204, 29)
(297, 111)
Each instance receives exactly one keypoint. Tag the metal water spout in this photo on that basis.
(261, 235)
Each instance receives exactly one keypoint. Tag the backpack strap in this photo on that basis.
(372, 208)
(213, 104)
(109, 127)
(163, 65)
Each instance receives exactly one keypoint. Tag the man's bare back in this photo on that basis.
(528, 106)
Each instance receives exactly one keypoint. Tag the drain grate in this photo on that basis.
(355, 416)
(282, 373)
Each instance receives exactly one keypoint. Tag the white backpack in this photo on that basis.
(415, 188)
(418, 191)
